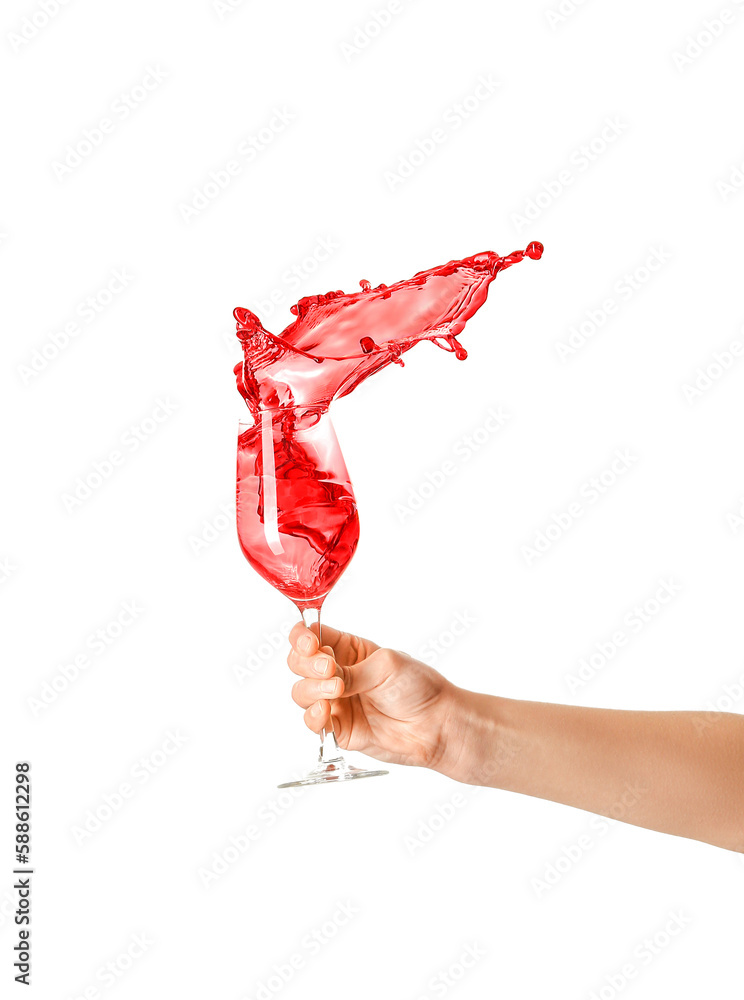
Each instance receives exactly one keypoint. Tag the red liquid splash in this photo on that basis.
(297, 516)
(340, 339)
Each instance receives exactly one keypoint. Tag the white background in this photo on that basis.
(422, 889)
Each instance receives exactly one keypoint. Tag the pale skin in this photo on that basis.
(676, 772)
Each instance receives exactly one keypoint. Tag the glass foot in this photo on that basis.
(331, 770)
(331, 766)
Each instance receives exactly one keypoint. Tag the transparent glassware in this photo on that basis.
(298, 527)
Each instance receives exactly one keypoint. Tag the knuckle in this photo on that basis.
(384, 658)
(357, 645)
(313, 721)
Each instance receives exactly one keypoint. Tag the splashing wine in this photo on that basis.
(297, 516)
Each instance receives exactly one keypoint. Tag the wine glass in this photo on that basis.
(298, 526)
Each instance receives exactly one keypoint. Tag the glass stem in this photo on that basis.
(329, 749)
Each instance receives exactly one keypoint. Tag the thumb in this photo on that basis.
(368, 674)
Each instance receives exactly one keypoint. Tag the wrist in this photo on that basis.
(476, 748)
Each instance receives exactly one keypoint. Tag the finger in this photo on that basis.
(303, 640)
(346, 645)
(330, 635)
(317, 716)
(334, 638)
(310, 690)
(367, 674)
(321, 665)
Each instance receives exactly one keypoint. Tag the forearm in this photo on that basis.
(677, 772)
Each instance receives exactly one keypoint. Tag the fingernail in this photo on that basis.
(323, 665)
(328, 687)
(316, 709)
(304, 643)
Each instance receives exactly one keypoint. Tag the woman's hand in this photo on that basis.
(677, 772)
(384, 702)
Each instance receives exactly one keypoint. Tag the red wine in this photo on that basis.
(339, 339)
(297, 517)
